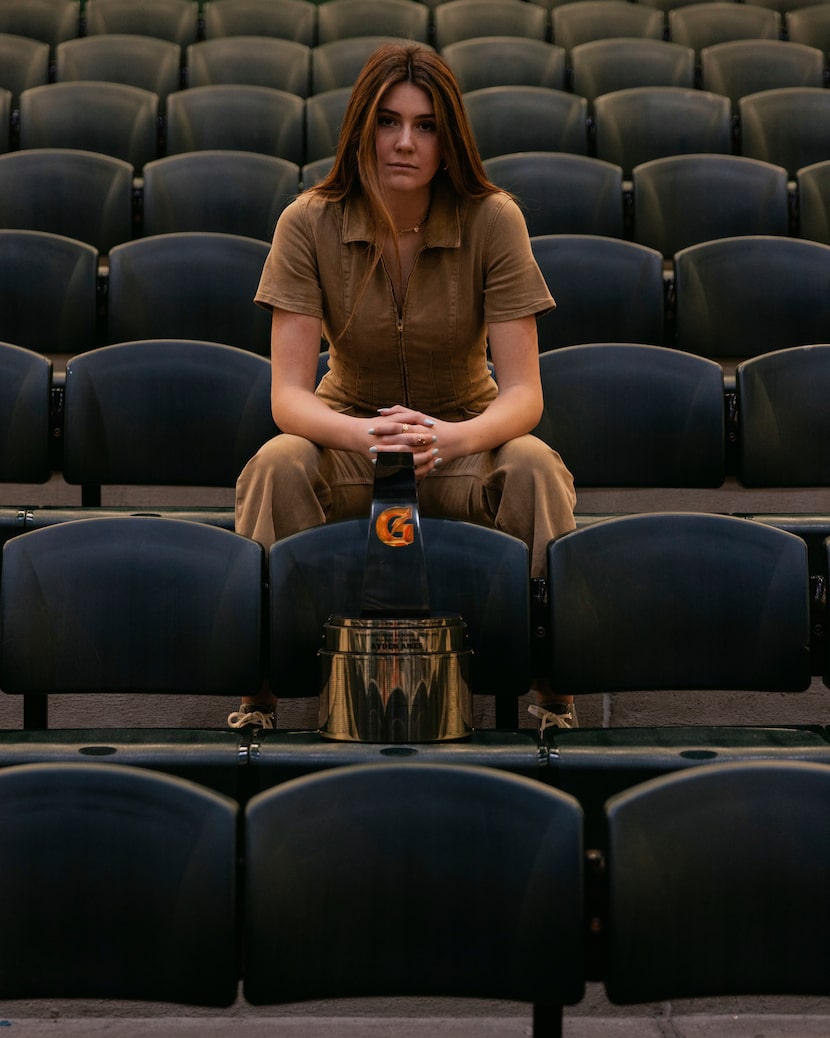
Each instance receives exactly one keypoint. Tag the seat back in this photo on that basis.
(698, 861)
(671, 601)
(642, 123)
(813, 187)
(681, 200)
(611, 290)
(78, 194)
(119, 119)
(509, 119)
(739, 297)
(485, 61)
(429, 842)
(809, 25)
(586, 20)
(161, 849)
(173, 20)
(700, 25)
(236, 117)
(265, 61)
(25, 427)
(289, 19)
(214, 277)
(339, 19)
(50, 21)
(141, 61)
(601, 66)
(561, 193)
(24, 63)
(783, 422)
(5, 119)
(463, 19)
(336, 64)
(174, 413)
(789, 126)
(223, 192)
(474, 572)
(48, 299)
(324, 115)
(743, 67)
(623, 414)
(182, 612)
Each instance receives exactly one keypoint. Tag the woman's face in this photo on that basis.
(406, 139)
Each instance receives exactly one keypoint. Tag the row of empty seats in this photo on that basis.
(211, 893)
(623, 414)
(669, 204)
(589, 68)
(787, 126)
(440, 23)
(728, 298)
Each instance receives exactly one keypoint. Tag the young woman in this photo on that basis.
(411, 265)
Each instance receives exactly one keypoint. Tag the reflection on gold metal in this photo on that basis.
(395, 680)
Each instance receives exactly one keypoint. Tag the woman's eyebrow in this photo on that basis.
(391, 111)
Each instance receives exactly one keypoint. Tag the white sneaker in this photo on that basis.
(564, 716)
(249, 714)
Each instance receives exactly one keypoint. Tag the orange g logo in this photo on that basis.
(394, 527)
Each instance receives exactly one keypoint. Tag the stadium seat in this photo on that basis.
(417, 838)
(25, 428)
(682, 200)
(508, 119)
(190, 285)
(479, 573)
(264, 61)
(809, 25)
(609, 290)
(226, 192)
(643, 123)
(586, 20)
(51, 21)
(236, 117)
(339, 19)
(336, 64)
(313, 172)
(676, 602)
(602, 66)
(698, 862)
(164, 413)
(24, 63)
(700, 25)
(140, 61)
(743, 67)
(182, 616)
(742, 296)
(79, 194)
(782, 418)
(485, 61)
(624, 414)
(161, 849)
(561, 193)
(119, 120)
(173, 20)
(323, 117)
(48, 297)
(289, 19)
(789, 126)
(463, 19)
(813, 192)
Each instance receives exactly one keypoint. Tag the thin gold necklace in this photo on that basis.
(415, 227)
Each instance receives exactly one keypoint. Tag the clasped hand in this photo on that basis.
(400, 428)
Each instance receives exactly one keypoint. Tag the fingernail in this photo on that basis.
(434, 439)
(371, 432)
(437, 462)
(373, 450)
(428, 421)
(374, 461)
(434, 451)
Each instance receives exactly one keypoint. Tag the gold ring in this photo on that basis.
(404, 428)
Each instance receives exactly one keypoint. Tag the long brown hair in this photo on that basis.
(355, 165)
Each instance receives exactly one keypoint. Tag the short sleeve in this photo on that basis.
(513, 283)
(290, 279)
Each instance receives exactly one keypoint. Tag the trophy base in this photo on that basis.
(395, 680)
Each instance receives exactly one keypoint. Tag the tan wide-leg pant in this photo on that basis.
(522, 488)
